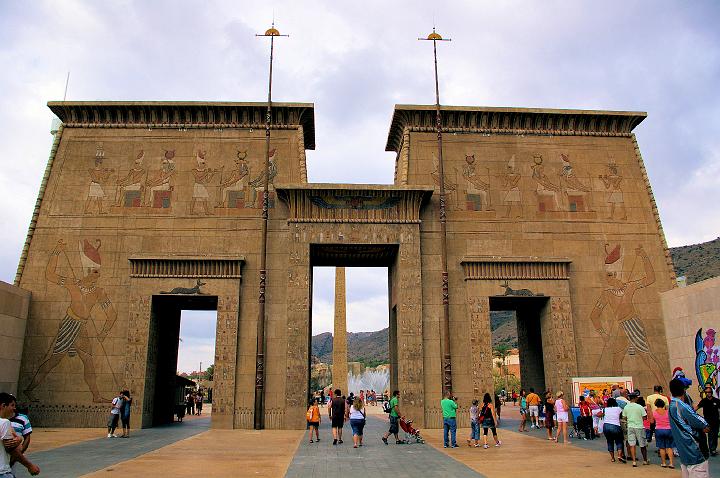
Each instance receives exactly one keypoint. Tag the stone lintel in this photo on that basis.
(497, 120)
(215, 266)
(354, 203)
(186, 114)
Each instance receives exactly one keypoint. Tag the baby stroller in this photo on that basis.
(575, 431)
(410, 431)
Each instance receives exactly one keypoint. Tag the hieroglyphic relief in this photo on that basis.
(480, 341)
(624, 330)
(546, 191)
(98, 180)
(477, 192)
(451, 187)
(511, 184)
(258, 186)
(611, 179)
(202, 175)
(131, 187)
(77, 328)
(233, 191)
(159, 183)
(576, 195)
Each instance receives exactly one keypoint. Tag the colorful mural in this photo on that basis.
(707, 357)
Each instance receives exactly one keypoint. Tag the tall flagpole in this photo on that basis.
(260, 353)
(446, 359)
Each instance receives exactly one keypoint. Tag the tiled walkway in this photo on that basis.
(373, 459)
(75, 460)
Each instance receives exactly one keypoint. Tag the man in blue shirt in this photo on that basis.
(686, 427)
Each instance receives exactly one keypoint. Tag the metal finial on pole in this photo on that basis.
(446, 358)
(259, 424)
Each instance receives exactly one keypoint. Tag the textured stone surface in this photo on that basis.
(541, 202)
(340, 356)
(14, 304)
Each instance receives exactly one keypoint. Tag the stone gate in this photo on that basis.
(147, 207)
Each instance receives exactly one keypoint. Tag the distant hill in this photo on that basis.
(366, 347)
(697, 262)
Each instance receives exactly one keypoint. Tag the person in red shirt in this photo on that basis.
(585, 419)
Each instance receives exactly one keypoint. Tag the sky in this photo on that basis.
(355, 61)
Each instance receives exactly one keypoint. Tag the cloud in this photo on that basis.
(197, 334)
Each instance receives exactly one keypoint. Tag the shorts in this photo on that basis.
(357, 426)
(394, 425)
(663, 438)
(523, 412)
(562, 417)
(488, 423)
(533, 410)
(696, 471)
(315, 425)
(113, 420)
(549, 423)
(125, 421)
(338, 422)
(636, 437)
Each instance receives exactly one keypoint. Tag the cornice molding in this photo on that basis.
(530, 121)
(185, 115)
(524, 268)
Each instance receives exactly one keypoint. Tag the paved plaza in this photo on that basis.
(192, 448)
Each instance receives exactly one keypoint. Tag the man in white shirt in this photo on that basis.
(11, 442)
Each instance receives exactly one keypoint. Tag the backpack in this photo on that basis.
(386, 407)
(310, 415)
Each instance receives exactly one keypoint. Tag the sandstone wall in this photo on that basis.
(14, 304)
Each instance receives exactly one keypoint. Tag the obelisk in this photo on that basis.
(340, 365)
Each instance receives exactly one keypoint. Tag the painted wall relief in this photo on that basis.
(451, 194)
(575, 194)
(707, 358)
(477, 193)
(78, 329)
(511, 184)
(233, 191)
(212, 188)
(202, 175)
(624, 330)
(546, 191)
(611, 179)
(131, 187)
(160, 183)
(99, 177)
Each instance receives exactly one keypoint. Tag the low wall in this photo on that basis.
(14, 304)
(692, 316)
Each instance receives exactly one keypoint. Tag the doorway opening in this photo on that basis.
(370, 315)
(523, 365)
(165, 390)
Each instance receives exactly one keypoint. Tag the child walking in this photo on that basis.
(474, 424)
(313, 420)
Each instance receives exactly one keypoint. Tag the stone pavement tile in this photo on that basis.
(373, 459)
(524, 454)
(215, 453)
(78, 459)
(49, 438)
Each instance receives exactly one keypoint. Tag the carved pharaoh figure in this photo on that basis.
(611, 180)
(132, 186)
(626, 333)
(98, 177)
(478, 191)
(575, 193)
(450, 187)
(233, 189)
(546, 191)
(203, 175)
(73, 337)
(160, 184)
(511, 183)
(258, 184)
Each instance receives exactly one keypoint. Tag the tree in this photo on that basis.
(502, 351)
(210, 372)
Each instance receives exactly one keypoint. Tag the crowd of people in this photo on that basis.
(194, 402)
(341, 409)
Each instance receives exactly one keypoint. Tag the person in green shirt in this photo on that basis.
(449, 411)
(395, 415)
(634, 413)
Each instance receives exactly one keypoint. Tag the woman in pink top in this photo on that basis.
(561, 410)
(663, 435)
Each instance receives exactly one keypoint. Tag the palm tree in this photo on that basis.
(502, 351)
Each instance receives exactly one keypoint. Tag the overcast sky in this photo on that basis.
(355, 61)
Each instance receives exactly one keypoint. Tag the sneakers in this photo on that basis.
(455, 446)
(445, 446)
(486, 447)
(335, 442)
(110, 435)
(383, 439)
(498, 443)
